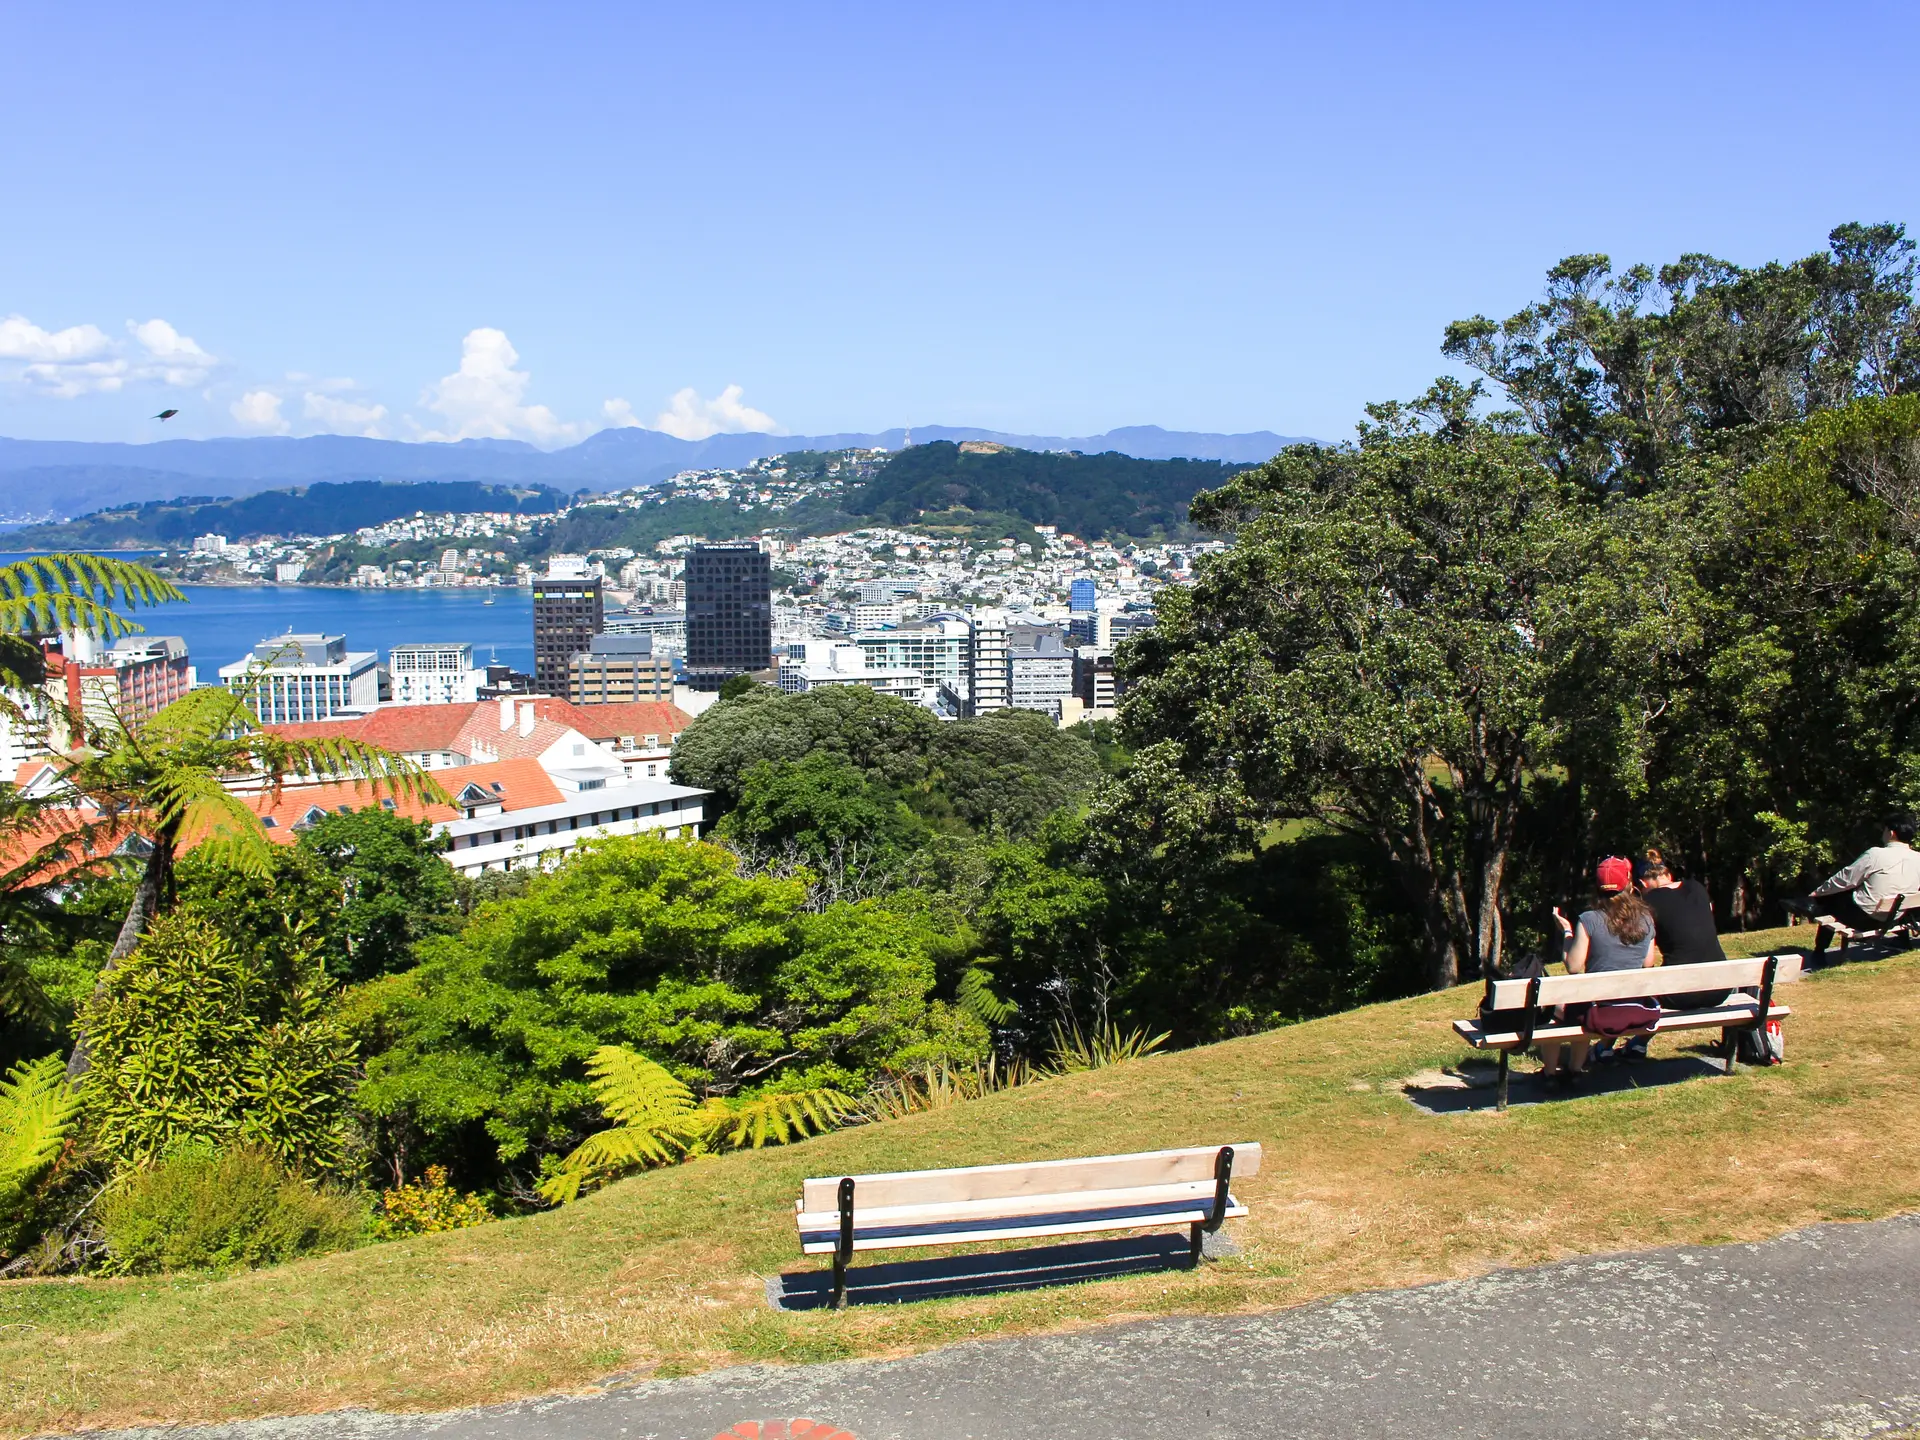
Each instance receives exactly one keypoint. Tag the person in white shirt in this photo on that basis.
(1861, 895)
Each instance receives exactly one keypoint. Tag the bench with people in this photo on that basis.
(1644, 959)
(1876, 897)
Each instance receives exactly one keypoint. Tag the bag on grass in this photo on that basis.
(1762, 1045)
(1610, 1019)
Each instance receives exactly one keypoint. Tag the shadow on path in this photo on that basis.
(901, 1281)
(1469, 1088)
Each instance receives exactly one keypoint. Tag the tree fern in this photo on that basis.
(770, 1119)
(635, 1092)
(37, 1111)
(50, 594)
(657, 1122)
(975, 995)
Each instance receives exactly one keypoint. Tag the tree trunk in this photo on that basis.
(147, 896)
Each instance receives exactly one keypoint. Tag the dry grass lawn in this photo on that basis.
(662, 1274)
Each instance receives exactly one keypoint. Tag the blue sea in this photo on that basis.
(222, 623)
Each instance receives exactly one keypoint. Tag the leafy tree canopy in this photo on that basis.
(1621, 373)
(657, 945)
(1374, 653)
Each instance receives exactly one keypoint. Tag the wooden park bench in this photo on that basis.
(1530, 1003)
(839, 1215)
(1899, 918)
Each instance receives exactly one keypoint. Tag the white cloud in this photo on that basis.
(85, 360)
(79, 360)
(173, 358)
(484, 398)
(260, 410)
(345, 417)
(620, 415)
(689, 417)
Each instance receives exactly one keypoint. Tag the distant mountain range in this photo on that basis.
(72, 477)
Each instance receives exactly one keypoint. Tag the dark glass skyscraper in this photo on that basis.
(729, 613)
(566, 616)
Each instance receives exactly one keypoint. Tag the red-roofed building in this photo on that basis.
(635, 739)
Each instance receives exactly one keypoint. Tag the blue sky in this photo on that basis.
(536, 220)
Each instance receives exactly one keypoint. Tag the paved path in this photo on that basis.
(1814, 1334)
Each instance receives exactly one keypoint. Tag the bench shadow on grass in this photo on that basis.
(1471, 1087)
(990, 1274)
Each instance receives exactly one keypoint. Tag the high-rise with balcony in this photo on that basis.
(568, 612)
(729, 613)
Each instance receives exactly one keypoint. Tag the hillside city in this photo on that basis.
(627, 651)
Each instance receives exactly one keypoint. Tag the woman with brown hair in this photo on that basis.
(1616, 934)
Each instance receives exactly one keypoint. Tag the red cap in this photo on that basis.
(1614, 873)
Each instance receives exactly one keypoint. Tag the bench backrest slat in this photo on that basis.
(1661, 980)
(1040, 1177)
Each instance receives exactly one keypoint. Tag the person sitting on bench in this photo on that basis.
(1858, 896)
(1684, 932)
(1617, 934)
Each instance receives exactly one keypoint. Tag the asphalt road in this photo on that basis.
(1814, 1334)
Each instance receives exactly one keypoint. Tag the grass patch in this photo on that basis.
(663, 1274)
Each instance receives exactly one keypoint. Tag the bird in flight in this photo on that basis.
(166, 414)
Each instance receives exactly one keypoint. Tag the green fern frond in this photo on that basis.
(771, 1119)
(975, 996)
(21, 997)
(51, 593)
(635, 1091)
(37, 1112)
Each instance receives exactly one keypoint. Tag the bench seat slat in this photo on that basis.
(897, 1237)
(1011, 1207)
(1470, 1031)
(1660, 980)
(1040, 1177)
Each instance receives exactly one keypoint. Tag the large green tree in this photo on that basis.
(1621, 373)
(657, 945)
(1374, 653)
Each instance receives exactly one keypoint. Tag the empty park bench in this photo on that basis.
(840, 1215)
(1515, 1014)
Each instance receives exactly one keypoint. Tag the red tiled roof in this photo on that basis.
(631, 717)
(401, 728)
(522, 783)
(281, 813)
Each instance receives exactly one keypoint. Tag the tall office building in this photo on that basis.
(567, 614)
(1082, 598)
(988, 653)
(729, 613)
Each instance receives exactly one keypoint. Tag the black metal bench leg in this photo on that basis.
(1732, 1041)
(843, 1251)
(1194, 1242)
(1501, 1103)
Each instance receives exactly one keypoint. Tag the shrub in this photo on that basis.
(196, 1039)
(197, 1210)
(427, 1207)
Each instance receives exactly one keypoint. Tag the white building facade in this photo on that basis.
(296, 679)
(434, 675)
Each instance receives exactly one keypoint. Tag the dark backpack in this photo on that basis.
(1762, 1045)
(1514, 1020)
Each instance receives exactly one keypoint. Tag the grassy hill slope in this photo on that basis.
(662, 1274)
